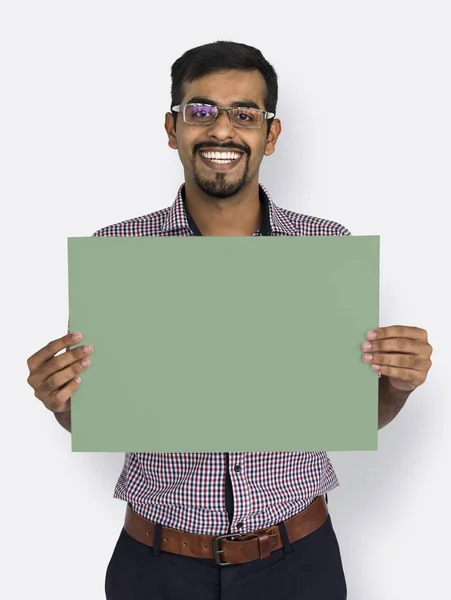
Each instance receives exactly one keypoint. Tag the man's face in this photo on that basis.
(242, 150)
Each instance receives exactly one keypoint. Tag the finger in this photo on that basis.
(52, 348)
(60, 400)
(58, 363)
(412, 376)
(397, 331)
(50, 389)
(405, 361)
(399, 345)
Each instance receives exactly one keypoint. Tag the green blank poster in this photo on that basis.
(225, 344)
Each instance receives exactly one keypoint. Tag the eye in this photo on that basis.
(246, 114)
(202, 111)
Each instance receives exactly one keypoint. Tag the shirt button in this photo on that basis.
(237, 468)
(239, 525)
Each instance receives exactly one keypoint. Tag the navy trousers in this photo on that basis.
(309, 569)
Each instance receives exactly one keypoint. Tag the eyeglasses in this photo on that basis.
(206, 114)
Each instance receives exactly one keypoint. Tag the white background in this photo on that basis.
(364, 103)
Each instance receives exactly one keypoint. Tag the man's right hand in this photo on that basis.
(53, 378)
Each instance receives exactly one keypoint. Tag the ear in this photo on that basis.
(273, 134)
(170, 130)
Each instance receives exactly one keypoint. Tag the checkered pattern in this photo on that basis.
(187, 490)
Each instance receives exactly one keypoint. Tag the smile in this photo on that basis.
(221, 157)
(221, 161)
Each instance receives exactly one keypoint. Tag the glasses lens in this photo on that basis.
(200, 114)
(249, 118)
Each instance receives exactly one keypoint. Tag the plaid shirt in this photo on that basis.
(214, 493)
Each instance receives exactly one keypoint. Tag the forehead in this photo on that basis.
(226, 87)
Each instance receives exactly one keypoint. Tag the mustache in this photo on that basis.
(231, 146)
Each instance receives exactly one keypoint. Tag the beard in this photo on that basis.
(222, 185)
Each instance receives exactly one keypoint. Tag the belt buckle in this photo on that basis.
(217, 551)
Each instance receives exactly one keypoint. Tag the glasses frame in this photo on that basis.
(181, 108)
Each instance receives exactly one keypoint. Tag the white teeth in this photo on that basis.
(221, 157)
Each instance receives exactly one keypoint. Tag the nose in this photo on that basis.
(221, 129)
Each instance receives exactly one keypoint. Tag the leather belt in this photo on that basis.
(233, 548)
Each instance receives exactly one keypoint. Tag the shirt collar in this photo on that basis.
(180, 222)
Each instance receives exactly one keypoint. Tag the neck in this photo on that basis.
(239, 215)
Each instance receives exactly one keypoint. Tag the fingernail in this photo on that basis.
(76, 337)
(376, 367)
(367, 346)
(371, 335)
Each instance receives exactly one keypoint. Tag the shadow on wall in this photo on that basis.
(369, 479)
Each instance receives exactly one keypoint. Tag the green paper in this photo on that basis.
(225, 344)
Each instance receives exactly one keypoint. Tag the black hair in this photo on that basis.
(219, 56)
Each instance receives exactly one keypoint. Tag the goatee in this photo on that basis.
(220, 187)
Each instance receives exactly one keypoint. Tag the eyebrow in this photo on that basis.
(237, 104)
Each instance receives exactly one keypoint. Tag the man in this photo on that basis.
(281, 542)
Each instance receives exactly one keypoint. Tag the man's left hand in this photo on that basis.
(403, 354)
